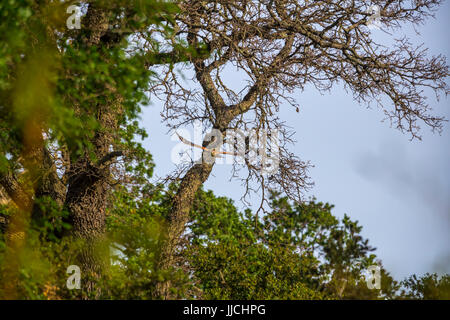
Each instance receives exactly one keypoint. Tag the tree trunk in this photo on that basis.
(88, 185)
(86, 203)
(177, 220)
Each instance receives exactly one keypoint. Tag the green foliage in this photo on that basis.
(51, 79)
(38, 269)
(134, 229)
(232, 255)
(53, 82)
(293, 252)
(427, 287)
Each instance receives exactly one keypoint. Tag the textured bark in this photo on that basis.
(86, 203)
(15, 191)
(87, 193)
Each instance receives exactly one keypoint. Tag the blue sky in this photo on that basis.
(399, 190)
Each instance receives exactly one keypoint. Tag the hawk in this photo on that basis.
(214, 152)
